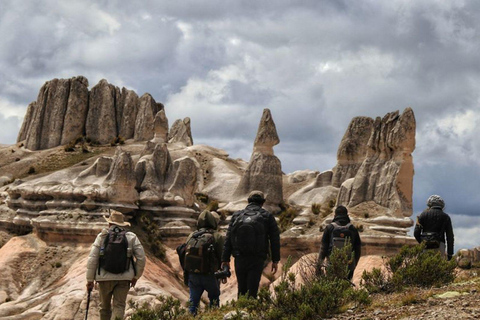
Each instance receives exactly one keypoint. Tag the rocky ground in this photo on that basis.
(456, 301)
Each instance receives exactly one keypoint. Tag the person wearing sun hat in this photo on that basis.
(434, 227)
(116, 262)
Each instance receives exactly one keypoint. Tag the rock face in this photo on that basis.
(66, 110)
(386, 174)
(180, 132)
(264, 171)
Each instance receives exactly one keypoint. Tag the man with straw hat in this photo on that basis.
(116, 261)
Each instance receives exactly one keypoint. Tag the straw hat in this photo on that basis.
(116, 218)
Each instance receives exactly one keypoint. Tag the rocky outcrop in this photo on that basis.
(386, 174)
(181, 133)
(77, 108)
(65, 110)
(264, 171)
(27, 121)
(160, 127)
(352, 150)
(144, 124)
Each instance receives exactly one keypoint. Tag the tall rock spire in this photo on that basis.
(264, 171)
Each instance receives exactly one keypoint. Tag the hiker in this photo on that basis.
(203, 252)
(335, 236)
(111, 264)
(252, 232)
(433, 226)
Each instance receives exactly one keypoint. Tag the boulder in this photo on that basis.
(181, 133)
(160, 128)
(129, 105)
(27, 121)
(120, 181)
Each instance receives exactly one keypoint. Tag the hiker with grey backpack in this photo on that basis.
(116, 262)
(434, 227)
(336, 235)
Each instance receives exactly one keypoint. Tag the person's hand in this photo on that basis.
(90, 286)
(274, 267)
(133, 282)
(225, 263)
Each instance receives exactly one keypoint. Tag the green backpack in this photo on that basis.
(200, 254)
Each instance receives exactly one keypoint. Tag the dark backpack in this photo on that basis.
(248, 233)
(200, 255)
(113, 253)
(339, 235)
(430, 239)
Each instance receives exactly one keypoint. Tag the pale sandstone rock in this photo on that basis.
(120, 181)
(77, 108)
(101, 124)
(352, 150)
(144, 124)
(129, 105)
(184, 184)
(160, 127)
(181, 133)
(27, 121)
(386, 175)
(301, 176)
(264, 171)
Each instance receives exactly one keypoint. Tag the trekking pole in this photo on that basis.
(88, 303)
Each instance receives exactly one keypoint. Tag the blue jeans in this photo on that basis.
(199, 283)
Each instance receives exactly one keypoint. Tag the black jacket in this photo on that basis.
(325, 248)
(272, 234)
(435, 220)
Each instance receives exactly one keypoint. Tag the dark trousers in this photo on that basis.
(249, 272)
(199, 283)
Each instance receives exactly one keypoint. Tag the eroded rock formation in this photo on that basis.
(386, 173)
(66, 110)
(180, 132)
(264, 171)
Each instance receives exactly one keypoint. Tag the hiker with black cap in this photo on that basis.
(251, 234)
(337, 234)
(116, 261)
(434, 227)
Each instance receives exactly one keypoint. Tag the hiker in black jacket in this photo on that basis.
(252, 232)
(342, 221)
(434, 225)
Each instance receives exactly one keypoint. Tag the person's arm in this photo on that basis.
(356, 245)
(227, 246)
(418, 231)
(140, 259)
(325, 245)
(219, 244)
(92, 262)
(450, 238)
(274, 238)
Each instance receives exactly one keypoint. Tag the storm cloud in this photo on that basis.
(316, 65)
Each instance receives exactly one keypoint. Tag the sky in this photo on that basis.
(315, 64)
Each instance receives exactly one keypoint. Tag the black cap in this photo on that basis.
(341, 210)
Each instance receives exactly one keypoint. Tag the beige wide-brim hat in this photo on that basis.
(116, 218)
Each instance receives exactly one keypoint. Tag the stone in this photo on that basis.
(160, 127)
(182, 189)
(27, 121)
(77, 108)
(352, 150)
(264, 171)
(267, 136)
(386, 174)
(181, 133)
(101, 124)
(144, 123)
(129, 105)
(120, 181)
(46, 128)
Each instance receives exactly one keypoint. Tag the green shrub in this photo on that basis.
(286, 218)
(168, 308)
(150, 234)
(213, 205)
(411, 267)
(202, 197)
(316, 208)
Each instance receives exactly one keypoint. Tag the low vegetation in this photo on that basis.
(411, 267)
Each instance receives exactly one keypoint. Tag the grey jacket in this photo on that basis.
(137, 251)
